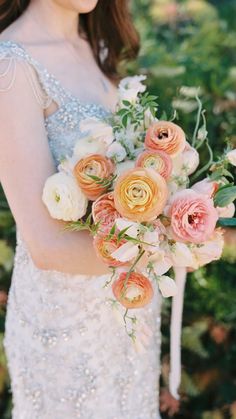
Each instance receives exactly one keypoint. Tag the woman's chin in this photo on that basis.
(82, 6)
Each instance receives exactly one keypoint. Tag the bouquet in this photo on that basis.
(137, 184)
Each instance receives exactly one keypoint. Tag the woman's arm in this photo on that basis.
(25, 164)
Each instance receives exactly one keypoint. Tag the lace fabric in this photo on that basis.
(68, 355)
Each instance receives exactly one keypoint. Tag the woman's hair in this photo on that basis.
(108, 28)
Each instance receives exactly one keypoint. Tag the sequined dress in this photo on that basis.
(68, 356)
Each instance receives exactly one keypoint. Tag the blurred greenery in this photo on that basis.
(185, 45)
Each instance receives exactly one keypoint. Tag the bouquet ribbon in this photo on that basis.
(175, 333)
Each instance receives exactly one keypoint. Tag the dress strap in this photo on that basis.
(45, 87)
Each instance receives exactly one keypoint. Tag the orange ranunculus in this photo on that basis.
(105, 246)
(165, 136)
(134, 292)
(140, 194)
(104, 211)
(156, 160)
(93, 165)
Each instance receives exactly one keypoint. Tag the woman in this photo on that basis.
(67, 355)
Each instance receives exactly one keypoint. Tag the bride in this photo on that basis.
(68, 356)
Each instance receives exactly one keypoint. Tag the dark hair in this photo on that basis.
(108, 26)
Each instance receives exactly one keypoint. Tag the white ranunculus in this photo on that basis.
(116, 151)
(231, 156)
(167, 286)
(134, 228)
(130, 87)
(181, 255)
(126, 252)
(86, 146)
(97, 129)
(226, 212)
(122, 167)
(63, 198)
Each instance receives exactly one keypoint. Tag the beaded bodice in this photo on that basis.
(63, 125)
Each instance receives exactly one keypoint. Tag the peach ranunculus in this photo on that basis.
(156, 160)
(104, 211)
(134, 291)
(93, 165)
(140, 194)
(193, 216)
(105, 246)
(165, 136)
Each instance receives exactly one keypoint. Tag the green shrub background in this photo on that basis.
(185, 45)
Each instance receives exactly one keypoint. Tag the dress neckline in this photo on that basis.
(67, 92)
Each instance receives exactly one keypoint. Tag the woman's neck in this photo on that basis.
(60, 23)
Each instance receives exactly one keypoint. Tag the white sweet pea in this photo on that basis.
(181, 255)
(122, 167)
(161, 262)
(86, 146)
(134, 228)
(226, 212)
(167, 286)
(126, 252)
(116, 151)
(130, 87)
(97, 129)
(208, 251)
(63, 198)
(231, 156)
(151, 237)
(149, 119)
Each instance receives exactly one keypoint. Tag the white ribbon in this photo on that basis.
(175, 333)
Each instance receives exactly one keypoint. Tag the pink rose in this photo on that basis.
(193, 216)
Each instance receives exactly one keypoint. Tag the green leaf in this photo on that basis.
(125, 120)
(227, 222)
(225, 195)
(122, 112)
(126, 102)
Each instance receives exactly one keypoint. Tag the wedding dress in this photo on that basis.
(68, 356)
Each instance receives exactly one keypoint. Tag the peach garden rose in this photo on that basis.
(193, 216)
(140, 194)
(165, 136)
(104, 211)
(93, 165)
